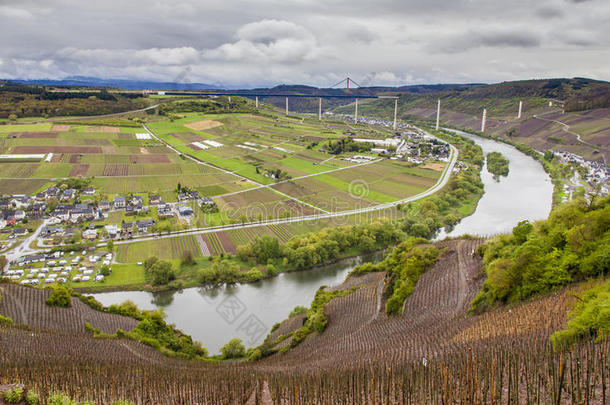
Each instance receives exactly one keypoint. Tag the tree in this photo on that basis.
(60, 297)
(110, 246)
(105, 270)
(161, 273)
(234, 349)
(148, 263)
(187, 258)
(521, 231)
(12, 117)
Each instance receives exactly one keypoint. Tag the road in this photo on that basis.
(441, 182)
(566, 128)
(24, 247)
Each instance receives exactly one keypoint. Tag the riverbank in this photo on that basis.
(555, 170)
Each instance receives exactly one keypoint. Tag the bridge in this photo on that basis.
(260, 95)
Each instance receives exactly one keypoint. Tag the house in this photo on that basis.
(113, 231)
(18, 232)
(68, 195)
(36, 210)
(193, 194)
(20, 201)
(19, 215)
(119, 202)
(136, 200)
(9, 217)
(145, 224)
(50, 230)
(104, 205)
(5, 204)
(130, 210)
(205, 201)
(155, 200)
(126, 228)
(82, 212)
(88, 191)
(185, 211)
(164, 211)
(52, 192)
(61, 214)
(69, 232)
(182, 197)
(90, 234)
(41, 196)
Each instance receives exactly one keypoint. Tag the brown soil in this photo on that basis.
(434, 166)
(60, 128)
(203, 125)
(79, 170)
(38, 135)
(26, 150)
(149, 159)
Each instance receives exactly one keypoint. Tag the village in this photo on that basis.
(71, 215)
(595, 174)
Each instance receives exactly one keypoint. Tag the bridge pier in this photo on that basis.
(320, 109)
(438, 114)
(256, 101)
(356, 113)
(286, 105)
(395, 112)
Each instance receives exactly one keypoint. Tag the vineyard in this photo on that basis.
(432, 353)
(164, 249)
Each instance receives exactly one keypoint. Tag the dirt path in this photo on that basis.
(265, 398)
(462, 287)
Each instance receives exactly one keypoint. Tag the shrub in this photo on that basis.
(234, 349)
(590, 316)
(60, 297)
(253, 275)
(31, 398)
(5, 321)
(255, 355)
(61, 399)
(298, 310)
(13, 396)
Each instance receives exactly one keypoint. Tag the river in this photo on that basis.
(526, 193)
(213, 316)
(248, 311)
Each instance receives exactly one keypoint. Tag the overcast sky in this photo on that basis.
(245, 43)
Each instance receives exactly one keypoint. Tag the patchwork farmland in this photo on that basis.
(252, 167)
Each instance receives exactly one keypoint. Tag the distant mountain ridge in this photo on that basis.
(84, 81)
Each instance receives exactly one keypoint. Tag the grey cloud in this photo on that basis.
(265, 42)
(472, 40)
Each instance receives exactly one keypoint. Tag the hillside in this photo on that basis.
(432, 353)
(40, 101)
(584, 127)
